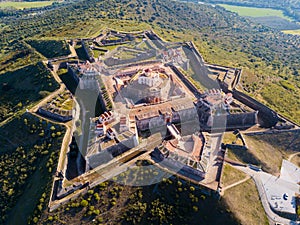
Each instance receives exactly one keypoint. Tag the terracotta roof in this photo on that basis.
(150, 111)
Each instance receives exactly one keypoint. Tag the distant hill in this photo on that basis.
(276, 22)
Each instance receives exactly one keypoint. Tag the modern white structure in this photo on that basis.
(281, 191)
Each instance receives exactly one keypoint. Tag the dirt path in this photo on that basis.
(73, 51)
(235, 184)
(51, 96)
(67, 138)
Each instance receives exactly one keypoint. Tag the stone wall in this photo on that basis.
(54, 116)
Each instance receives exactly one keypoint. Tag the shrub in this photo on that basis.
(84, 203)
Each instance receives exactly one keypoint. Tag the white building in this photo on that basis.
(100, 129)
(151, 80)
(281, 191)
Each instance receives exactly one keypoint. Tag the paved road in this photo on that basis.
(273, 218)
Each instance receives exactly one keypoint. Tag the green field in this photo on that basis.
(254, 12)
(294, 32)
(24, 5)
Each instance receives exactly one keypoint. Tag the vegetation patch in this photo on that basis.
(23, 87)
(17, 55)
(231, 138)
(172, 201)
(270, 155)
(50, 48)
(260, 153)
(286, 102)
(296, 160)
(288, 142)
(287, 85)
(97, 53)
(276, 22)
(28, 155)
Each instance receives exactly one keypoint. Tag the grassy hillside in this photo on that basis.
(245, 202)
(273, 18)
(28, 154)
(172, 201)
(267, 150)
(50, 48)
(24, 86)
(222, 37)
(276, 22)
(271, 68)
(17, 54)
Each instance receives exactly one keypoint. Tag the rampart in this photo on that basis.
(155, 39)
(266, 116)
(185, 80)
(54, 116)
(87, 50)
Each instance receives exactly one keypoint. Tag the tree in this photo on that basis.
(97, 198)
(96, 211)
(84, 203)
(35, 219)
(195, 208)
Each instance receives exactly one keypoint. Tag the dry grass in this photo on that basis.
(231, 175)
(267, 150)
(243, 201)
(230, 138)
(269, 156)
(286, 141)
(233, 156)
(296, 160)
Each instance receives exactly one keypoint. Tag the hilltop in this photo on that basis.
(266, 55)
(269, 59)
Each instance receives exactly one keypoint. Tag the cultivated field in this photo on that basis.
(24, 5)
(294, 32)
(254, 12)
